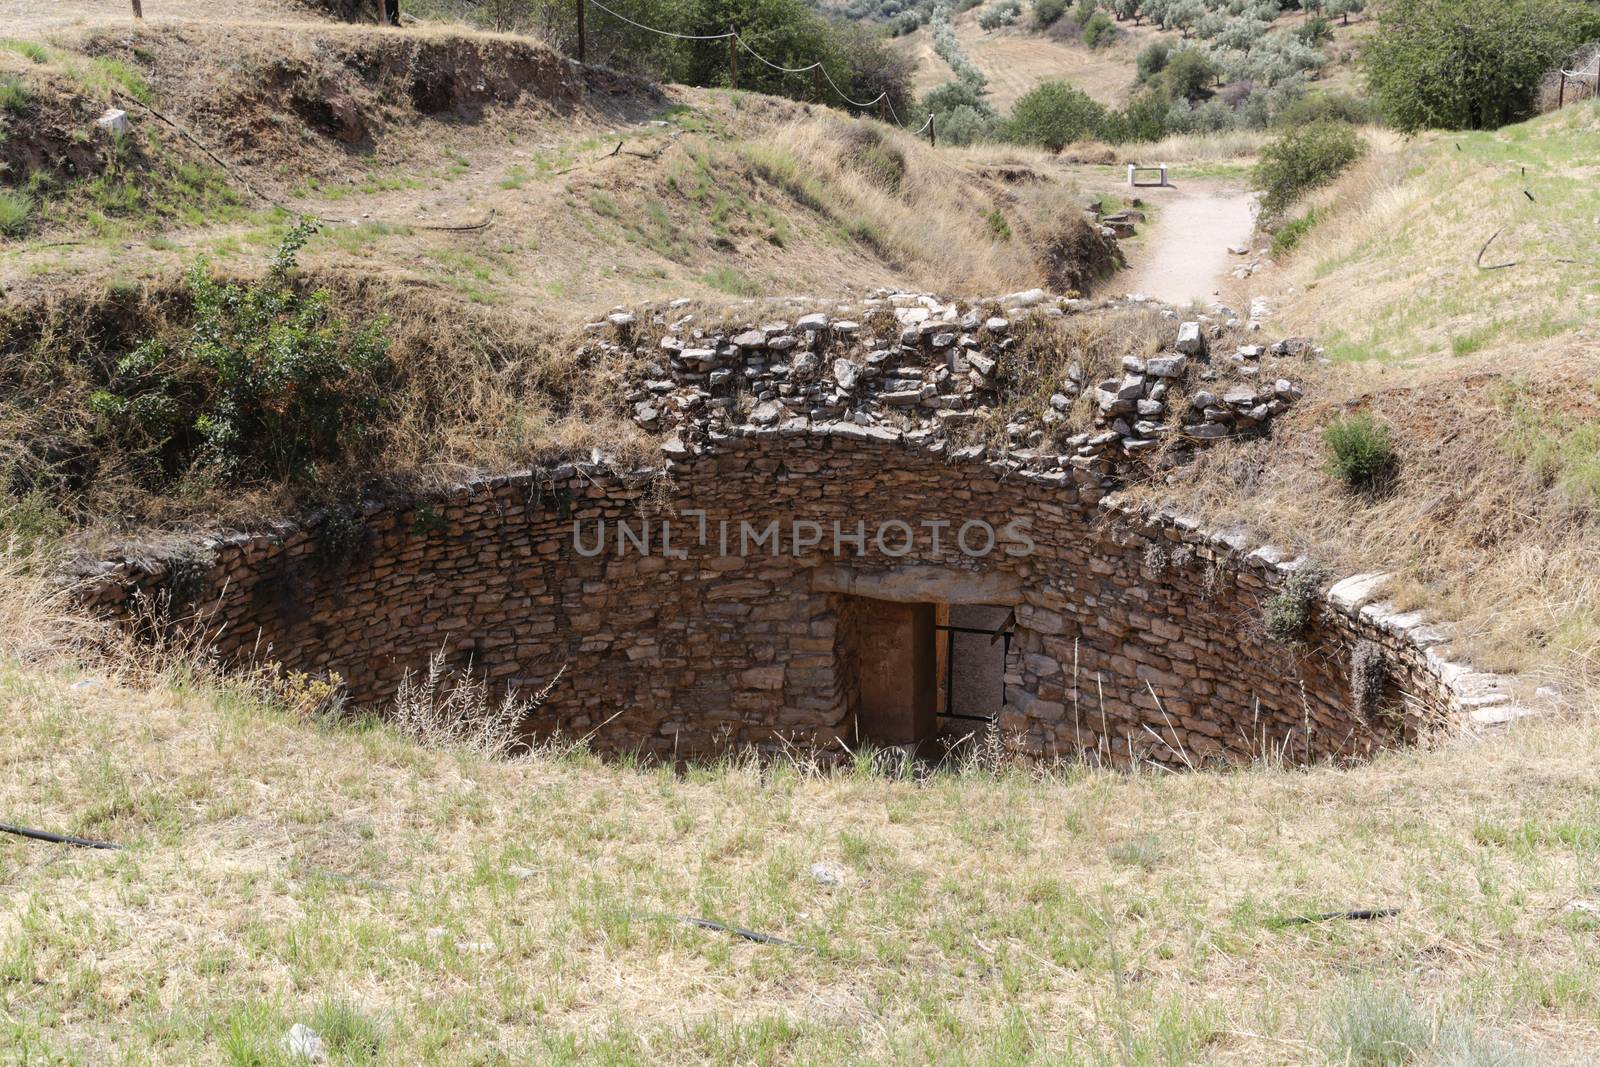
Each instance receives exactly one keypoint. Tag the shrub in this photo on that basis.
(1143, 119)
(1002, 14)
(963, 126)
(1328, 107)
(1152, 60)
(1469, 64)
(1288, 611)
(1315, 31)
(1046, 12)
(1053, 115)
(1099, 30)
(15, 96)
(1360, 452)
(16, 213)
(265, 382)
(1303, 159)
(1188, 73)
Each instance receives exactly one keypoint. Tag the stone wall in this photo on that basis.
(719, 599)
(1134, 634)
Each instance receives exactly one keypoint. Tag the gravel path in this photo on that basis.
(1183, 254)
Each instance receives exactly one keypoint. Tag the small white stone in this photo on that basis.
(304, 1043)
(826, 874)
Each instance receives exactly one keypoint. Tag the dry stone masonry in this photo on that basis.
(819, 470)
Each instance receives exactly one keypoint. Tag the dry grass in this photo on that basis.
(426, 906)
(1488, 379)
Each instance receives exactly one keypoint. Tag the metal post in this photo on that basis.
(581, 48)
(733, 59)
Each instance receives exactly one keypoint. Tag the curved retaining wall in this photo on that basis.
(1138, 636)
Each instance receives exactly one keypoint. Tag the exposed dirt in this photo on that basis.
(1182, 254)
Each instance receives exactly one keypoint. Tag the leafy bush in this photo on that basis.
(1187, 74)
(1303, 159)
(1046, 12)
(1053, 115)
(1328, 107)
(1152, 60)
(1469, 64)
(1099, 30)
(265, 382)
(1360, 452)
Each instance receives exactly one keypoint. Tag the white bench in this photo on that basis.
(1159, 170)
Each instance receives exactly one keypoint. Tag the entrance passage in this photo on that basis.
(974, 641)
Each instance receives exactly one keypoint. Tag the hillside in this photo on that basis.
(488, 167)
(1486, 374)
(1017, 57)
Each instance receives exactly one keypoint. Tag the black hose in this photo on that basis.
(737, 931)
(55, 839)
(1356, 913)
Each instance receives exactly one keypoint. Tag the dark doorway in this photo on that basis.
(894, 652)
(974, 642)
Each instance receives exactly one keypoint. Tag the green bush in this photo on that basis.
(1301, 160)
(264, 383)
(1002, 14)
(1053, 115)
(1328, 107)
(1360, 452)
(1152, 60)
(1188, 74)
(1047, 12)
(15, 96)
(16, 213)
(1099, 30)
(1470, 64)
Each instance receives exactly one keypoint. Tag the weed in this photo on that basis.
(515, 178)
(1360, 452)
(1288, 612)
(15, 96)
(1288, 236)
(999, 228)
(1372, 1027)
(31, 49)
(16, 213)
(728, 280)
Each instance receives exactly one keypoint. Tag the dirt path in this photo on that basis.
(1182, 254)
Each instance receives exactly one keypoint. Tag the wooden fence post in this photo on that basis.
(733, 59)
(816, 84)
(138, 9)
(932, 139)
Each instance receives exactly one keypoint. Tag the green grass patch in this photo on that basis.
(728, 280)
(31, 49)
(15, 96)
(16, 213)
(1557, 449)
(1290, 234)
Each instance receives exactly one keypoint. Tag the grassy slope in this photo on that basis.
(1488, 379)
(437, 907)
(711, 194)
